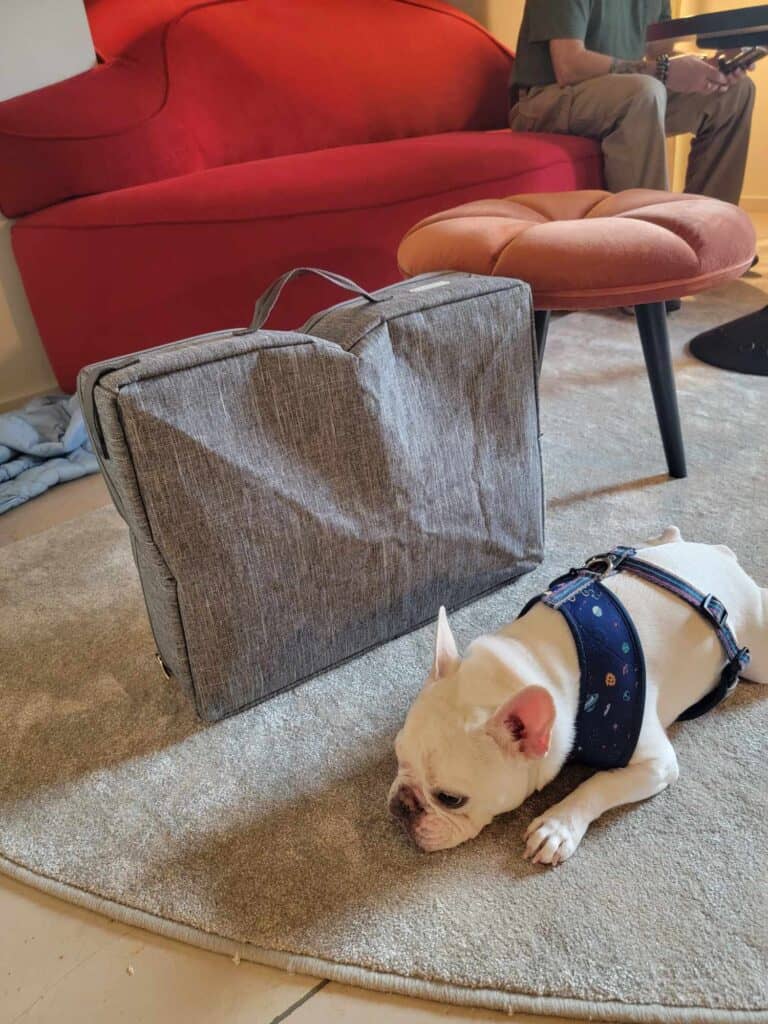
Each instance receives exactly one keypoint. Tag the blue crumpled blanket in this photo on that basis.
(41, 445)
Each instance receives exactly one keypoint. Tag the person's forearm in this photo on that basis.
(572, 63)
(577, 65)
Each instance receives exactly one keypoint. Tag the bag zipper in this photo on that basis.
(360, 300)
(234, 332)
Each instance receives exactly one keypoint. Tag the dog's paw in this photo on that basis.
(553, 837)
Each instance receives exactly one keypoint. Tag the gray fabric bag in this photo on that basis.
(294, 498)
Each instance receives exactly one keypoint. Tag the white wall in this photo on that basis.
(24, 366)
(41, 42)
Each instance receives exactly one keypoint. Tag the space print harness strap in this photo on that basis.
(611, 662)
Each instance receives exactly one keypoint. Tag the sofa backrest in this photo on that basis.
(183, 87)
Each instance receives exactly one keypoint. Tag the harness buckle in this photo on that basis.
(608, 562)
(734, 668)
(730, 675)
(599, 565)
(716, 611)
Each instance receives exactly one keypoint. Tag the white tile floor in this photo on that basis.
(63, 965)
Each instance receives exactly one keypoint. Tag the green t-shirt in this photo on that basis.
(615, 27)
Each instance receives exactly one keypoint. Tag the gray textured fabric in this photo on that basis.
(268, 832)
(296, 498)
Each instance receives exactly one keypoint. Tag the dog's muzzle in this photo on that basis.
(405, 805)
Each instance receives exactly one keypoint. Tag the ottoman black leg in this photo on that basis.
(652, 324)
(541, 325)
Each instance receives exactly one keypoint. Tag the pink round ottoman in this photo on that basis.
(592, 250)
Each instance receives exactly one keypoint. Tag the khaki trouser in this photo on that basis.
(632, 114)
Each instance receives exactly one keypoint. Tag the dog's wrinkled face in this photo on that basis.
(463, 758)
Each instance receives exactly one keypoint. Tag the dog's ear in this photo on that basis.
(524, 723)
(446, 654)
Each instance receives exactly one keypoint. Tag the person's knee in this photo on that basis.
(735, 104)
(645, 91)
(742, 93)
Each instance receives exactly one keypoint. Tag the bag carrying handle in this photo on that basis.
(266, 303)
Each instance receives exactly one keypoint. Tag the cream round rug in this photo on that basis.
(267, 834)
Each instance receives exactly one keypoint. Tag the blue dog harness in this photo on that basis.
(611, 662)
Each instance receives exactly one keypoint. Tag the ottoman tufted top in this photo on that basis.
(589, 249)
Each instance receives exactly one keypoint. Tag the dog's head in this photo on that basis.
(463, 757)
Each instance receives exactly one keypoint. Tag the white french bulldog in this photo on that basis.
(490, 729)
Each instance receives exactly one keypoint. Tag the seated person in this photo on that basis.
(583, 68)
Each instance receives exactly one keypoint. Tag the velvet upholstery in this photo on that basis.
(218, 144)
(589, 249)
(238, 80)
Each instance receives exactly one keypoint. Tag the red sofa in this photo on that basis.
(217, 144)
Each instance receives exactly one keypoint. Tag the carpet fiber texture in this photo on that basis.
(267, 834)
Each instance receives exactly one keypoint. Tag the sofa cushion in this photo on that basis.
(114, 273)
(235, 80)
(357, 177)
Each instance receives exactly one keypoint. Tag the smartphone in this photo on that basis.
(745, 57)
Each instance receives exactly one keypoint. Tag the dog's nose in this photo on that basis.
(405, 804)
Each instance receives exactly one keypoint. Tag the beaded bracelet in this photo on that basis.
(662, 68)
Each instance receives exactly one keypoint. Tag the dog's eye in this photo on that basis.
(450, 800)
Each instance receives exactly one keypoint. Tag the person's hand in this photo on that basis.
(689, 73)
(731, 75)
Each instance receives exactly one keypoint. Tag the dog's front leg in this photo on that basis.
(553, 837)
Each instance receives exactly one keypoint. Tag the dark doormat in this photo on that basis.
(740, 345)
